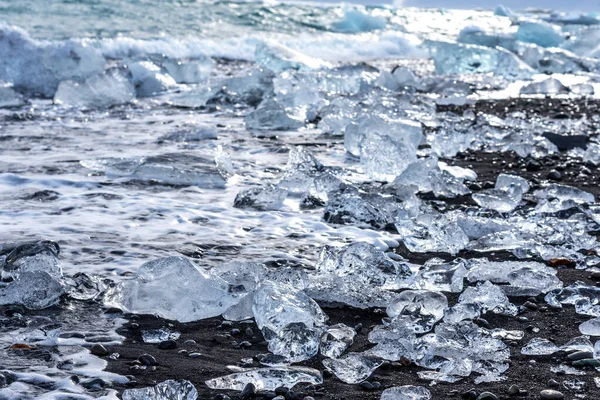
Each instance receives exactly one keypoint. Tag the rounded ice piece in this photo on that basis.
(591, 327)
(407, 392)
(267, 379)
(167, 390)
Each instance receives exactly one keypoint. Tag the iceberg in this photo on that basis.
(540, 33)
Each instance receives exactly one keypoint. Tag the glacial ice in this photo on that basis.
(34, 290)
(33, 256)
(440, 276)
(540, 33)
(263, 198)
(271, 115)
(112, 87)
(456, 58)
(358, 20)
(301, 169)
(196, 70)
(429, 177)
(489, 297)
(167, 390)
(173, 288)
(267, 379)
(336, 340)
(501, 200)
(9, 98)
(406, 393)
(591, 327)
(418, 309)
(291, 322)
(278, 58)
(547, 87)
(82, 286)
(539, 347)
(149, 79)
(353, 368)
(159, 335)
(506, 181)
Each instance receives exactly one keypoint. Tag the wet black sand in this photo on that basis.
(218, 343)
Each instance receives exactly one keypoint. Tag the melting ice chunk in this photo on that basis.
(10, 98)
(149, 79)
(499, 199)
(195, 70)
(547, 86)
(112, 87)
(353, 368)
(368, 126)
(406, 393)
(264, 198)
(426, 174)
(439, 276)
(489, 297)
(272, 115)
(167, 390)
(173, 288)
(290, 321)
(506, 182)
(159, 335)
(540, 33)
(539, 347)
(336, 340)
(34, 290)
(35, 256)
(591, 327)
(267, 379)
(418, 309)
(302, 167)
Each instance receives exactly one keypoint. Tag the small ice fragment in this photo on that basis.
(267, 379)
(336, 340)
(112, 87)
(223, 163)
(489, 297)
(440, 276)
(159, 335)
(591, 327)
(173, 288)
(406, 393)
(461, 312)
(539, 347)
(264, 198)
(418, 309)
(353, 368)
(195, 70)
(167, 390)
(580, 343)
(301, 169)
(271, 115)
(547, 86)
(506, 181)
(34, 256)
(82, 286)
(34, 290)
(384, 158)
(10, 98)
(149, 79)
(498, 199)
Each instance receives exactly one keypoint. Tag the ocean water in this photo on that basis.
(127, 129)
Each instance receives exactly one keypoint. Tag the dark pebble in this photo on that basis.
(533, 166)
(488, 185)
(167, 345)
(366, 385)
(95, 383)
(99, 350)
(549, 394)
(475, 187)
(113, 310)
(327, 374)
(554, 175)
(235, 332)
(553, 383)
(580, 355)
(77, 335)
(226, 325)
(222, 397)
(471, 394)
(147, 360)
(249, 332)
(530, 305)
(248, 392)
(292, 396)
(281, 390)
(308, 398)
(376, 385)
(487, 396)
(358, 327)
(245, 344)
(513, 390)
(596, 276)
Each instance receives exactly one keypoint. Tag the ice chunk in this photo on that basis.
(582, 89)
(149, 79)
(167, 390)
(28, 257)
(407, 392)
(394, 341)
(277, 58)
(173, 288)
(418, 309)
(290, 321)
(591, 327)
(271, 115)
(565, 193)
(267, 379)
(188, 71)
(336, 340)
(223, 163)
(264, 198)
(430, 231)
(384, 158)
(34, 290)
(159, 335)
(489, 297)
(457, 58)
(38, 67)
(500, 200)
(503, 11)
(579, 343)
(82, 286)
(547, 86)
(539, 347)
(506, 182)
(439, 276)
(367, 127)
(585, 298)
(461, 312)
(353, 368)
(540, 33)
(429, 177)
(112, 87)
(358, 20)
(10, 98)
(301, 169)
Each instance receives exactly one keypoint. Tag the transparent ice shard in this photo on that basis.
(383, 158)
(540, 33)
(167, 390)
(223, 163)
(189, 71)
(290, 321)
(461, 312)
(539, 347)
(263, 198)
(406, 393)
(82, 286)
(112, 87)
(586, 299)
(426, 174)
(489, 297)
(34, 290)
(418, 309)
(301, 169)
(34, 256)
(498, 199)
(591, 327)
(353, 368)
(499, 271)
(173, 288)
(557, 197)
(149, 79)
(579, 343)
(278, 58)
(271, 115)
(394, 341)
(159, 335)
(267, 379)
(336, 340)
(550, 86)
(439, 276)
(506, 182)
(10, 98)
